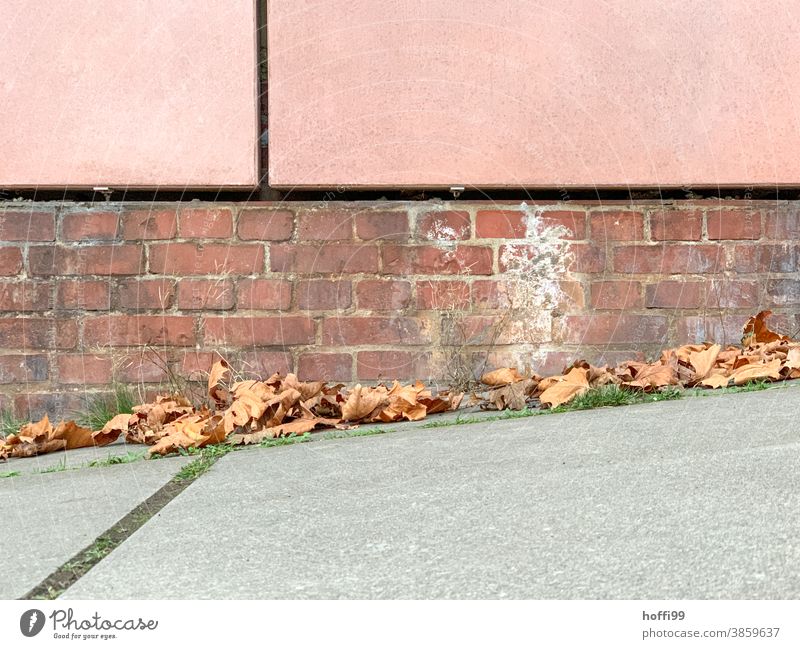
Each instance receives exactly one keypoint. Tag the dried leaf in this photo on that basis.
(703, 361)
(652, 376)
(567, 387)
(755, 371)
(514, 396)
(362, 402)
(502, 376)
(719, 380)
(219, 374)
(756, 331)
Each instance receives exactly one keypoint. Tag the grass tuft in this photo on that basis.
(613, 395)
(130, 456)
(101, 409)
(9, 423)
(9, 474)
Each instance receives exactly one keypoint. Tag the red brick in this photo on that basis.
(265, 224)
(745, 258)
(572, 295)
(324, 225)
(326, 258)
(383, 295)
(33, 406)
(669, 258)
(444, 226)
(616, 294)
(602, 329)
(778, 258)
(117, 330)
(89, 225)
(10, 261)
(323, 295)
(264, 294)
(721, 328)
(373, 330)
(211, 294)
(195, 365)
(675, 295)
(23, 368)
(238, 331)
(585, 258)
(433, 260)
(206, 259)
(733, 294)
(140, 294)
(388, 365)
(37, 333)
(500, 224)
(123, 259)
(616, 226)
(205, 223)
(84, 369)
(151, 224)
(783, 222)
(382, 225)
(325, 367)
(572, 224)
(497, 329)
(783, 292)
(27, 225)
(90, 294)
(676, 225)
(25, 296)
(490, 294)
(733, 224)
(263, 364)
(443, 295)
(142, 367)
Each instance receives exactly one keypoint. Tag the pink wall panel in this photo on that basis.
(128, 93)
(557, 93)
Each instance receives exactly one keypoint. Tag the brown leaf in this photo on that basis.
(220, 373)
(793, 358)
(502, 376)
(513, 396)
(567, 387)
(296, 427)
(362, 402)
(717, 379)
(655, 375)
(75, 436)
(756, 331)
(755, 371)
(703, 361)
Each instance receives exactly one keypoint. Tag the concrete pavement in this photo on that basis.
(697, 498)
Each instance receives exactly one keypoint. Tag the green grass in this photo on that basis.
(613, 396)
(356, 432)
(9, 423)
(60, 466)
(129, 457)
(102, 408)
(206, 457)
(751, 386)
(9, 474)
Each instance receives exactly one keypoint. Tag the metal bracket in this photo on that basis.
(456, 191)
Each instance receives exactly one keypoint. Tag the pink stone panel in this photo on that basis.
(561, 93)
(133, 93)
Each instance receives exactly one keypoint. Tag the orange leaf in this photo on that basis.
(755, 371)
(362, 402)
(717, 380)
(756, 331)
(703, 361)
(502, 376)
(566, 388)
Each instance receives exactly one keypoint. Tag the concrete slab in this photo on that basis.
(45, 519)
(698, 498)
(74, 459)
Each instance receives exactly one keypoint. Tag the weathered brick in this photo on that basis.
(675, 295)
(141, 294)
(10, 261)
(38, 333)
(383, 294)
(733, 294)
(616, 226)
(238, 331)
(445, 225)
(317, 366)
(22, 368)
(676, 225)
(326, 258)
(150, 224)
(569, 224)
(483, 329)
(205, 223)
(325, 225)
(264, 294)
(721, 328)
(84, 369)
(390, 225)
(120, 330)
(32, 406)
(211, 294)
(89, 225)
(616, 294)
(25, 295)
(601, 329)
(490, 294)
(585, 258)
(778, 258)
(733, 224)
(433, 260)
(782, 222)
(206, 259)
(500, 224)
(123, 259)
(669, 258)
(27, 225)
(142, 367)
(388, 365)
(745, 258)
(783, 292)
(443, 295)
(90, 294)
(196, 365)
(263, 363)
(265, 224)
(323, 295)
(374, 330)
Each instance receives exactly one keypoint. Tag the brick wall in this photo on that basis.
(368, 291)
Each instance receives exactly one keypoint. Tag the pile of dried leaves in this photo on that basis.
(246, 412)
(243, 412)
(764, 355)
